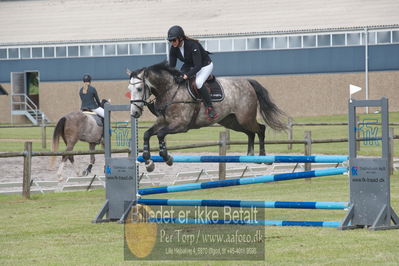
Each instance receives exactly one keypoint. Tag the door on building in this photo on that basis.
(32, 86)
(25, 84)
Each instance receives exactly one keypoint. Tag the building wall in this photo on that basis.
(328, 94)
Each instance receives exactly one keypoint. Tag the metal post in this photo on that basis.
(107, 131)
(366, 64)
(391, 150)
(357, 133)
(43, 131)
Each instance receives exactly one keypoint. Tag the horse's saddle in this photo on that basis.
(214, 88)
(99, 120)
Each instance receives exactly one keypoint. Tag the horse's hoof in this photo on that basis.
(150, 166)
(169, 161)
(85, 173)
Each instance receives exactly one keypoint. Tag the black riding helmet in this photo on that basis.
(86, 78)
(175, 32)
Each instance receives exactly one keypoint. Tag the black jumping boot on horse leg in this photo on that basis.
(208, 104)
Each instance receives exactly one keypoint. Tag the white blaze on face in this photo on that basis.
(136, 87)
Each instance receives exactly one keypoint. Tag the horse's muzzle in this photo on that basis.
(135, 114)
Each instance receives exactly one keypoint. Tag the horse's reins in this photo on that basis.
(177, 102)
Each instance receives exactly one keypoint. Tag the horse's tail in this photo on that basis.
(58, 131)
(271, 114)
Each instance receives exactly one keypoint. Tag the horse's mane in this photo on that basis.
(164, 66)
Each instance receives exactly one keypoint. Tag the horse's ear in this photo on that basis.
(128, 72)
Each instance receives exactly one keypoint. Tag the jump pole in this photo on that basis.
(246, 203)
(243, 181)
(245, 222)
(250, 159)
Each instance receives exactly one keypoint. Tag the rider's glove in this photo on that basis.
(179, 79)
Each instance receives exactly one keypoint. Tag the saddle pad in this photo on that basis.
(89, 113)
(97, 118)
(216, 91)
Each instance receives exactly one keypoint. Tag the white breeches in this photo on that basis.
(99, 111)
(203, 75)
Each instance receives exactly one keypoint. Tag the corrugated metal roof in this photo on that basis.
(88, 20)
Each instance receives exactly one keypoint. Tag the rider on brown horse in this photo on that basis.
(196, 62)
(88, 95)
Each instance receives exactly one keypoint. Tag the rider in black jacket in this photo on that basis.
(89, 97)
(196, 62)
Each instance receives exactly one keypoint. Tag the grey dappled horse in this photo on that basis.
(73, 127)
(177, 112)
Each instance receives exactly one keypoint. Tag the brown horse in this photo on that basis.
(73, 127)
(178, 112)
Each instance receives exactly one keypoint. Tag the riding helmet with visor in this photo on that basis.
(175, 32)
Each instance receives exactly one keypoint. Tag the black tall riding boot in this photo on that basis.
(208, 104)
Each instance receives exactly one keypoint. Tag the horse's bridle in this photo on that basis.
(146, 89)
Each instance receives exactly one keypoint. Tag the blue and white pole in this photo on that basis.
(251, 159)
(243, 181)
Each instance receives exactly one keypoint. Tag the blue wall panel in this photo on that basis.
(306, 61)
(384, 57)
(263, 62)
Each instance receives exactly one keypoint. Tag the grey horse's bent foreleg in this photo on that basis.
(146, 145)
(163, 151)
(150, 166)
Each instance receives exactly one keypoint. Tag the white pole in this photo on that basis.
(366, 67)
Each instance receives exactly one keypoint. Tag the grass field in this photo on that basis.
(55, 229)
